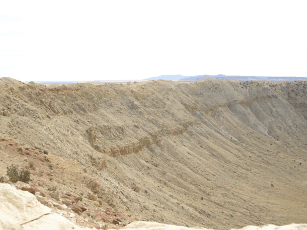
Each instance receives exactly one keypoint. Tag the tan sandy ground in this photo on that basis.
(216, 154)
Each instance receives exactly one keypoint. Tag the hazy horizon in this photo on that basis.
(134, 40)
(180, 78)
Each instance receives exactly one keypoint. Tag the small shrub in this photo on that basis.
(24, 175)
(14, 175)
(12, 172)
(31, 164)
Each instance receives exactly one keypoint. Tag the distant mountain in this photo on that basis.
(167, 77)
(287, 78)
(71, 82)
(222, 76)
(199, 77)
(186, 78)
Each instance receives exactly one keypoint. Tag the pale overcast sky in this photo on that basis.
(132, 39)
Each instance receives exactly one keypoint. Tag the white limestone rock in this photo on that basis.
(20, 210)
(143, 225)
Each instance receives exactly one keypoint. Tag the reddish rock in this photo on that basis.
(82, 208)
(49, 174)
(40, 183)
(73, 196)
(116, 221)
(43, 194)
(78, 199)
(75, 208)
(65, 196)
(30, 190)
(95, 225)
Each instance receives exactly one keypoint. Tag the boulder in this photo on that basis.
(72, 196)
(20, 210)
(7, 223)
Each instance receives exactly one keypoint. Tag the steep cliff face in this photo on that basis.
(212, 153)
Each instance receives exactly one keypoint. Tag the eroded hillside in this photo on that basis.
(213, 153)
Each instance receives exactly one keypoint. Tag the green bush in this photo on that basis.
(24, 175)
(14, 174)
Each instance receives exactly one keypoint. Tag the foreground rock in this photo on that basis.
(140, 225)
(21, 210)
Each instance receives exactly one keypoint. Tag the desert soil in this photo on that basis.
(214, 153)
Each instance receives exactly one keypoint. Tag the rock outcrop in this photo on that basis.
(141, 225)
(20, 210)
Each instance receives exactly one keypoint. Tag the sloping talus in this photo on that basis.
(214, 153)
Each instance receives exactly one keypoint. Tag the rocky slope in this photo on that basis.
(214, 153)
(20, 210)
